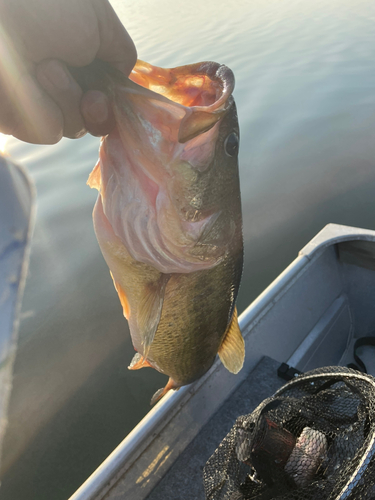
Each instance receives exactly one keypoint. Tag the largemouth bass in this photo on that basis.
(168, 216)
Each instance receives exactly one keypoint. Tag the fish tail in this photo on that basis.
(171, 385)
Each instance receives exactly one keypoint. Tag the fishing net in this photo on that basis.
(313, 440)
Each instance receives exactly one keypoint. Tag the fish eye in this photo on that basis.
(231, 144)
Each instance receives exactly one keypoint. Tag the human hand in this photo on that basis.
(39, 99)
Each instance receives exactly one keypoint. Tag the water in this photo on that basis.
(305, 91)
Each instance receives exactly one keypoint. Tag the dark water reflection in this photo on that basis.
(305, 91)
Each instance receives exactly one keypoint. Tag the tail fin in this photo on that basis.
(163, 391)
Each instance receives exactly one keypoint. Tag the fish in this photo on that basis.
(168, 216)
(310, 450)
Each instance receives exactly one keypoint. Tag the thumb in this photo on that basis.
(116, 46)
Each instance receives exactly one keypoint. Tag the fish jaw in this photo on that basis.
(146, 170)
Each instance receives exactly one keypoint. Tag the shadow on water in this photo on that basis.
(73, 443)
(305, 91)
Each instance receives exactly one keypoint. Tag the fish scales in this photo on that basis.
(168, 215)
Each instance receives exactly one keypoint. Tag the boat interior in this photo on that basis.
(312, 315)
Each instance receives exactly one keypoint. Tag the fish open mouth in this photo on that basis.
(202, 89)
(198, 89)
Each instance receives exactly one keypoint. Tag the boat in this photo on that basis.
(17, 215)
(318, 312)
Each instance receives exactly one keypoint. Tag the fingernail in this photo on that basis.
(56, 75)
(97, 110)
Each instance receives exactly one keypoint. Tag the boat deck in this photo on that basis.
(184, 479)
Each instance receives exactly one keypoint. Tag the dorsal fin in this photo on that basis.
(232, 349)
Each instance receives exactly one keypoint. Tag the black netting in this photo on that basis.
(313, 440)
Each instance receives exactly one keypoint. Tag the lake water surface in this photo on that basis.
(305, 93)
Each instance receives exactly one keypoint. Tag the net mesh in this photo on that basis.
(313, 440)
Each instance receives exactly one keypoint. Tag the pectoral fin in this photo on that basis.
(122, 297)
(95, 180)
(232, 349)
(149, 311)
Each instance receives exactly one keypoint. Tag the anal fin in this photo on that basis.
(232, 349)
(139, 362)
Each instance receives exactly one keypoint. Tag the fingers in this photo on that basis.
(39, 99)
(91, 111)
(97, 112)
(56, 80)
(66, 30)
(44, 109)
(116, 46)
